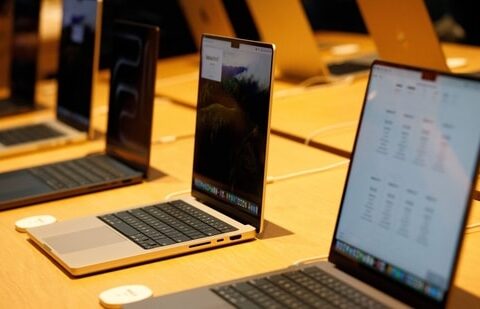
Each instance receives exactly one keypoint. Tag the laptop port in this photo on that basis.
(220, 240)
(236, 237)
(198, 245)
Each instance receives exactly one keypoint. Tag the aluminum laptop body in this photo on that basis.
(20, 44)
(403, 32)
(232, 128)
(78, 66)
(206, 16)
(285, 23)
(127, 155)
(404, 207)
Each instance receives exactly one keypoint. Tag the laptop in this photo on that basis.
(226, 204)
(405, 203)
(206, 16)
(78, 66)
(127, 155)
(285, 23)
(20, 41)
(409, 40)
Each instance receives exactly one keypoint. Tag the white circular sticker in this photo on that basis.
(23, 224)
(125, 294)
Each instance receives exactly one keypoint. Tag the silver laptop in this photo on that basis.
(405, 203)
(403, 32)
(226, 205)
(206, 16)
(285, 23)
(78, 65)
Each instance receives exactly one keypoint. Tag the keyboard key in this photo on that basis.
(29, 133)
(310, 287)
(163, 224)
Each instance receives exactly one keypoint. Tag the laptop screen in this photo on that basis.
(23, 43)
(411, 175)
(232, 126)
(78, 61)
(132, 86)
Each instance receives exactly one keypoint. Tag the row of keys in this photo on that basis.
(28, 133)
(310, 287)
(74, 173)
(164, 224)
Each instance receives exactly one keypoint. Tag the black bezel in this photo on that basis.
(362, 272)
(219, 205)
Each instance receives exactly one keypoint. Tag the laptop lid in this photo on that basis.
(23, 49)
(403, 32)
(206, 16)
(132, 85)
(286, 24)
(78, 61)
(409, 186)
(232, 126)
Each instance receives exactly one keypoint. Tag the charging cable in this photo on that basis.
(309, 260)
(314, 83)
(176, 193)
(341, 125)
(272, 179)
(166, 139)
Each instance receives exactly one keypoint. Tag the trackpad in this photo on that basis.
(84, 240)
(20, 184)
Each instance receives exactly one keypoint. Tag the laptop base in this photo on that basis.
(316, 285)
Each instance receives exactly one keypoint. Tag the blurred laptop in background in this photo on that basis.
(206, 16)
(285, 23)
(77, 71)
(403, 32)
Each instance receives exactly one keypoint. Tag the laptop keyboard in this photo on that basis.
(79, 172)
(307, 288)
(25, 134)
(165, 224)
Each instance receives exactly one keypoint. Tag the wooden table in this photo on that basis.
(300, 211)
(300, 214)
(287, 236)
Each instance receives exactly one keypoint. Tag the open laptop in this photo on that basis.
(226, 205)
(21, 44)
(285, 23)
(78, 66)
(403, 211)
(403, 32)
(127, 155)
(206, 16)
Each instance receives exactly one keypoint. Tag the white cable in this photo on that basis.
(272, 179)
(332, 127)
(310, 260)
(176, 193)
(313, 83)
(472, 226)
(166, 139)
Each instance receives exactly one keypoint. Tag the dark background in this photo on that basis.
(342, 15)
